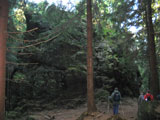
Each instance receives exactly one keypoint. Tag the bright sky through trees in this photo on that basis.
(64, 2)
(68, 3)
(134, 29)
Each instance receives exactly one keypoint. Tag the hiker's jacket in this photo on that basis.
(158, 97)
(140, 99)
(112, 97)
(148, 95)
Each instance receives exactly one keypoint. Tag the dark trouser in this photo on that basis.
(115, 109)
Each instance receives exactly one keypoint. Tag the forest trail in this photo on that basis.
(127, 109)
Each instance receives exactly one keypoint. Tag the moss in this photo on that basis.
(146, 110)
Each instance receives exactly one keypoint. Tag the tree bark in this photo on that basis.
(3, 36)
(90, 83)
(154, 82)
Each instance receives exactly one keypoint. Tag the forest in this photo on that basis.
(63, 61)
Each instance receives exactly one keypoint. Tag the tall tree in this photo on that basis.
(3, 35)
(90, 85)
(154, 82)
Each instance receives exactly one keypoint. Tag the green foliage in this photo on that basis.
(19, 77)
(58, 47)
(101, 95)
(30, 118)
(61, 64)
(13, 114)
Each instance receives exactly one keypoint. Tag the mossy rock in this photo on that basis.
(147, 110)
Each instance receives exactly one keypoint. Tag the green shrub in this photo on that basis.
(101, 95)
(13, 114)
(30, 118)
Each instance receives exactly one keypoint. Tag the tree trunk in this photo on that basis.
(154, 82)
(90, 85)
(3, 35)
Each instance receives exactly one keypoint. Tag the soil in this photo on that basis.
(127, 110)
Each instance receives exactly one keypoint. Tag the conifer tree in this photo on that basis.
(3, 35)
(154, 82)
(90, 85)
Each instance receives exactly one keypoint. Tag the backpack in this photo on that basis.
(116, 96)
(149, 98)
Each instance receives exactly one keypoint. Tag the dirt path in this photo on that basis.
(127, 109)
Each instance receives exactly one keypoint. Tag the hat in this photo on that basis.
(116, 88)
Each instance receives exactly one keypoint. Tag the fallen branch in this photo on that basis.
(24, 31)
(36, 43)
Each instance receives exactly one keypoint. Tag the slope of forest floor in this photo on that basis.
(127, 109)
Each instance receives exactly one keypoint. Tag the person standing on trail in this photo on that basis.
(158, 97)
(141, 98)
(148, 96)
(116, 97)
